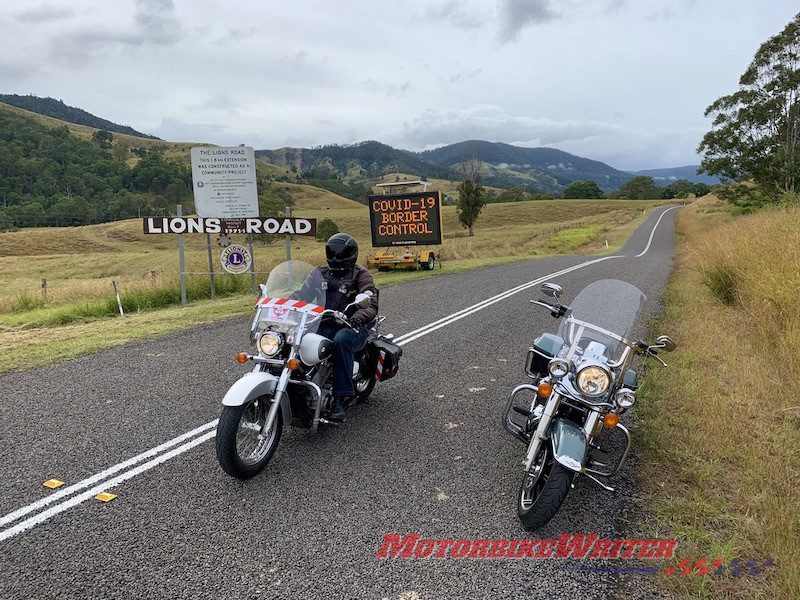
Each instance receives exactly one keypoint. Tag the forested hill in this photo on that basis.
(57, 109)
(547, 168)
(49, 177)
(364, 160)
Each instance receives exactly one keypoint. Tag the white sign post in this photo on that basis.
(224, 182)
(224, 185)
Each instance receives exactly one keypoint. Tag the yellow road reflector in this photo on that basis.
(105, 496)
(53, 483)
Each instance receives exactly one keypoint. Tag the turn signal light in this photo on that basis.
(292, 364)
(242, 357)
(611, 420)
(545, 389)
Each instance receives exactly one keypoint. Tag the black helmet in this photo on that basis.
(341, 250)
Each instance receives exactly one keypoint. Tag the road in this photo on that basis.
(426, 455)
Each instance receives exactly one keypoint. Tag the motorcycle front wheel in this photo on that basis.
(242, 451)
(543, 490)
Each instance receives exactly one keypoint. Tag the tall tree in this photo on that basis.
(639, 188)
(756, 130)
(471, 194)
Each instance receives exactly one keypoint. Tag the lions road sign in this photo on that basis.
(406, 219)
(255, 225)
(236, 259)
(224, 182)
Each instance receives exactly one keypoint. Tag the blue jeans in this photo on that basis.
(346, 343)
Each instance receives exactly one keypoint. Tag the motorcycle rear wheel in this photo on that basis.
(242, 451)
(364, 387)
(542, 492)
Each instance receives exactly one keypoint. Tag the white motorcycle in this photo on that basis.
(292, 366)
(583, 380)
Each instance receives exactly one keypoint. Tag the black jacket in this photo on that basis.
(339, 290)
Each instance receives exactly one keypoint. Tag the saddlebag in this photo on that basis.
(385, 357)
(544, 349)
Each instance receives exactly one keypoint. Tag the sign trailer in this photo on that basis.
(413, 219)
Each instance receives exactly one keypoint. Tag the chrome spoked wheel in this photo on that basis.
(362, 385)
(251, 445)
(241, 449)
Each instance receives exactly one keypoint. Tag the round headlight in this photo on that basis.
(269, 344)
(558, 367)
(625, 398)
(593, 381)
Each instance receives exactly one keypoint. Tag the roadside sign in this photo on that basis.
(252, 225)
(224, 182)
(406, 219)
(236, 259)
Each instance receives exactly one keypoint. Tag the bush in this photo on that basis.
(720, 278)
(325, 229)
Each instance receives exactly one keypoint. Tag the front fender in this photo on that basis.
(570, 445)
(254, 385)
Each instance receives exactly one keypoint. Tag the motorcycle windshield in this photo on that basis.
(294, 290)
(601, 312)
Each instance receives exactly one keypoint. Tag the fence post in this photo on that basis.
(287, 212)
(252, 263)
(153, 278)
(181, 261)
(211, 268)
(44, 290)
(119, 301)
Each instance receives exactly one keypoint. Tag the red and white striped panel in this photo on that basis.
(379, 368)
(286, 303)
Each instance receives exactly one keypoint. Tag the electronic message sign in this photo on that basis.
(406, 219)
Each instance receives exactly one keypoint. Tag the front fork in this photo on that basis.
(280, 390)
(541, 433)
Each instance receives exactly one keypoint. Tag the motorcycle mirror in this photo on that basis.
(666, 343)
(552, 290)
(363, 299)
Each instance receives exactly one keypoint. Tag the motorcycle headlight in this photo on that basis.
(269, 344)
(558, 367)
(593, 381)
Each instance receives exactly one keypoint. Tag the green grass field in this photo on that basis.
(80, 263)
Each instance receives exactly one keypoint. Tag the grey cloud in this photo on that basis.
(388, 88)
(673, 10)
(600, 140)
(515, 15)
(454, 13)
(458, 77)
(154, 23)
(238, 34)
(176, 130)
(44, 13)
(220, 102)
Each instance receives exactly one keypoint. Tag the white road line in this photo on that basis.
(481, 305)
(99, 477)
(652, 233)
(67, 491)
(111, 483)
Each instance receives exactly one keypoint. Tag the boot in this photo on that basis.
(337, 409)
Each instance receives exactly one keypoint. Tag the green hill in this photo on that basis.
(546, 168)
(56, 108)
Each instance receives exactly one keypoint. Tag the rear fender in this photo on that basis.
(254, 385)
(570, 445)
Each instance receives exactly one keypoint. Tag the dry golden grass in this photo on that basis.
(721, 426)
(81, 262)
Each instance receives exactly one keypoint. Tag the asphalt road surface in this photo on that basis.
(425, 455)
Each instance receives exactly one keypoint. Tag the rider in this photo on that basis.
(341, 281)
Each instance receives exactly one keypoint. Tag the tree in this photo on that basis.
(120, 151)
(640, 188)
(103, 138)
(325, 229)
(583, 190)
(471, 194)
(755, 135)
(678, 189)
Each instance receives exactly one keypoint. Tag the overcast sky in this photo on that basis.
(622, 81)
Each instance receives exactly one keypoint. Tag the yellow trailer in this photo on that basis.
(407, 259)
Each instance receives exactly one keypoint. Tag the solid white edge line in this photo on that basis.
(84, 483)
(652, 233)
(106, 485)
(402, 340)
